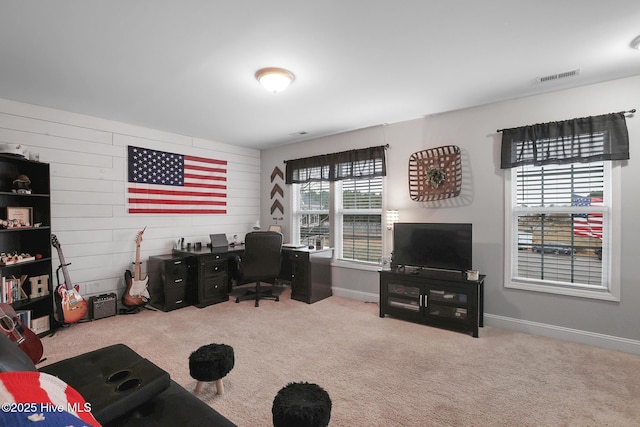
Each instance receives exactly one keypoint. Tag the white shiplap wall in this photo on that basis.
(88, 180)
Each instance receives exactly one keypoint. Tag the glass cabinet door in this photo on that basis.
(451, 305)
(404, 297)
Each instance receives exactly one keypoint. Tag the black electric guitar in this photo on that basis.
(136, 293)
(74, 307)
(12, 327)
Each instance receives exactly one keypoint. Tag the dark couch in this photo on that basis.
(123, 388)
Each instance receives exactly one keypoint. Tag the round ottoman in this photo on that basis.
(211, 363)
(301, 405)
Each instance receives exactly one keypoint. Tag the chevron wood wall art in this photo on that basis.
(276, 189)
(277, 172)
(276, 205)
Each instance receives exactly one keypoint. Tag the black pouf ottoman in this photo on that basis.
(211, 363)
(301, 405)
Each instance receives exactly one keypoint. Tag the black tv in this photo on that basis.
(442, 246)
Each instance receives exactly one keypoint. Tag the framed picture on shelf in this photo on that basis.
(21, 217)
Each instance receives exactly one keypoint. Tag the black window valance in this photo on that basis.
(578, 140)
(353, 164)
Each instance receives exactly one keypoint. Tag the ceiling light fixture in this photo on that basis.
(635, 43)
(275, 79)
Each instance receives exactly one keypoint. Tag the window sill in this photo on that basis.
(599, 294)
(356, 265)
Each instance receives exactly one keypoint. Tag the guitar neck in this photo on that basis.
(136, 268)
(63, 265)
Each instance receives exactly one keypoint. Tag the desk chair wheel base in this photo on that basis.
(257, 295)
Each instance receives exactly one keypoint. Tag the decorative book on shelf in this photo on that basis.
(435, 174)
(11, 289)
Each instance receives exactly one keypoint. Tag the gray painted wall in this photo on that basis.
(610, 324)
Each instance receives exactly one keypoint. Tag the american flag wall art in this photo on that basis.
(167, 183)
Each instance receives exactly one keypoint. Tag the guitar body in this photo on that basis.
(136, 292)
(12, 327)
(74, 307)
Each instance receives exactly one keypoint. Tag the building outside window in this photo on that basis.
(311, 212)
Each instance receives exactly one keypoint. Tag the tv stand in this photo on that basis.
(437, 298)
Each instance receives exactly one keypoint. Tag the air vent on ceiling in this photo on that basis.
(553, 77)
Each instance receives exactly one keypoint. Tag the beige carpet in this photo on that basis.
(378, 372)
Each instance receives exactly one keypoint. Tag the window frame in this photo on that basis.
(336, 214)
(296, 213)
(341, 212)
(611, 248)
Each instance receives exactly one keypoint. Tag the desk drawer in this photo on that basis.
(175, 297)
(168, 281)
(214, 287)
(176, 271)
(297, 255)
(213, 268)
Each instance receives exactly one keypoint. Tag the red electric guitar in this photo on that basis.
(74, 307)
(136, 293)
(12, 327)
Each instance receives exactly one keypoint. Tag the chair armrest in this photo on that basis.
(12, 358)
(114, 379)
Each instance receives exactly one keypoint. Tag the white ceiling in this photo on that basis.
(187, 66)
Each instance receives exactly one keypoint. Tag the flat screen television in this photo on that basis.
(443, 246)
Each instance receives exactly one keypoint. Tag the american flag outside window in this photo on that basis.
(167, 183)
(588, 225)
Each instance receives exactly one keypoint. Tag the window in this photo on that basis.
(311, 212)
(338, 197)
(562, 229)
(361, 219)
(355, 209)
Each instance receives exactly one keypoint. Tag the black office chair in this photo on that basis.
(260, 262)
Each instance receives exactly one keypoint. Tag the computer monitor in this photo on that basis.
(218, 240)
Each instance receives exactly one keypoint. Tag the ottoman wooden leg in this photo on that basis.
(211, 363)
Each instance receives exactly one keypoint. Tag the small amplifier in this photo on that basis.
(102, 306)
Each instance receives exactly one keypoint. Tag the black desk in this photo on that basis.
(308, 271)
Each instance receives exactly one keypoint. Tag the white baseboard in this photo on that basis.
(357, 295)
(565, 334)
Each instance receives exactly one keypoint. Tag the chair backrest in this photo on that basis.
(262, 255)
